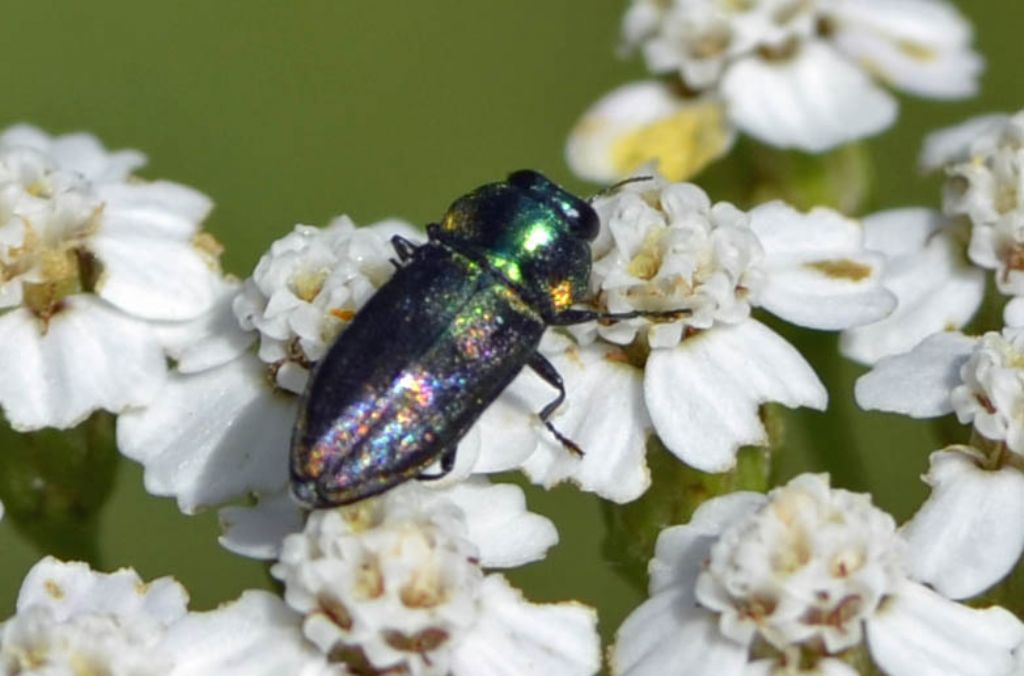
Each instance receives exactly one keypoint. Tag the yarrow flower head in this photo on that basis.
(221, 428)
(804, 576)
(666, 247)
(396, 583)
(72, 620)
(791, 73)
(981, 379)
(309, 285)
(983, 159)
(94, 265)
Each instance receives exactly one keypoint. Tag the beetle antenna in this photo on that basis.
(615, 186)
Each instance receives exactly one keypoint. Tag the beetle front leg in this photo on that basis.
(405, 248)
(546, 370)
(570, 317)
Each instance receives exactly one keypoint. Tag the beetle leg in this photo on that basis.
(405, 248)
(447, 463)
(570, 317)
(546, 370)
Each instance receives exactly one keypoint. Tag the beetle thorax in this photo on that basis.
(527, 241)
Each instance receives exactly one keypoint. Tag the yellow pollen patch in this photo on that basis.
(647, 262)
(342, 314)
(54, 590)
(842, 268)
(307, 284)
(917, 51)
(682, 144)
(58, 265)
(39, 188)
(359, 517)
(211, 249)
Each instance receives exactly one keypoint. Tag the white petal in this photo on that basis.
(154, 277)
(936, 288)
(211, 339)
(79, 152)
(513, 636)
(509, 430)
(669, 634)
(72, 588)
(214, 436)
(812, 101)
(953, 144)
(256, 634)
(681, 551)
(1013, 313)
(644, 123)
(917, 383)
(921, 46)
(818, 273)
(604, 414)
(506, 534)
(918, 632)
(257, 531)
(965, 538)
(704, 395)
(90, 357)
(160, 209)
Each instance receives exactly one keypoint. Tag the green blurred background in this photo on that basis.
(288, 112)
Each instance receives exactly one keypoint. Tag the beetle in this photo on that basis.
(428, 353)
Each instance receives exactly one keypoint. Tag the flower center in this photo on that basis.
(807, 569)
(991, 394)
(48, 218)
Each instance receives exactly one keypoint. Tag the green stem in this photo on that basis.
(827, 438)
(675, 494)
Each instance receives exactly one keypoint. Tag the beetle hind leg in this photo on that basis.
(447, 463)
(546, 370)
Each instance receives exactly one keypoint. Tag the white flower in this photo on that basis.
(991, 394)
(797, 577)
(973, 490)
(72, 620)
(222, 424)
(927, 270)
(93, 264)
(792, 73)
(396, 582)
(983, 160)
(665, 248)
(980, 379)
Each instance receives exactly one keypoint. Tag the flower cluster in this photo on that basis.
(802, 579)
(982, 381)
(95, 265)
(666, 247)
(111, 298)
(982, 160)
(396, 583)
(393, 584)
(70, 619)
(791, 73)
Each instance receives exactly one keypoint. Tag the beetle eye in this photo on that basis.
(586, 224)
